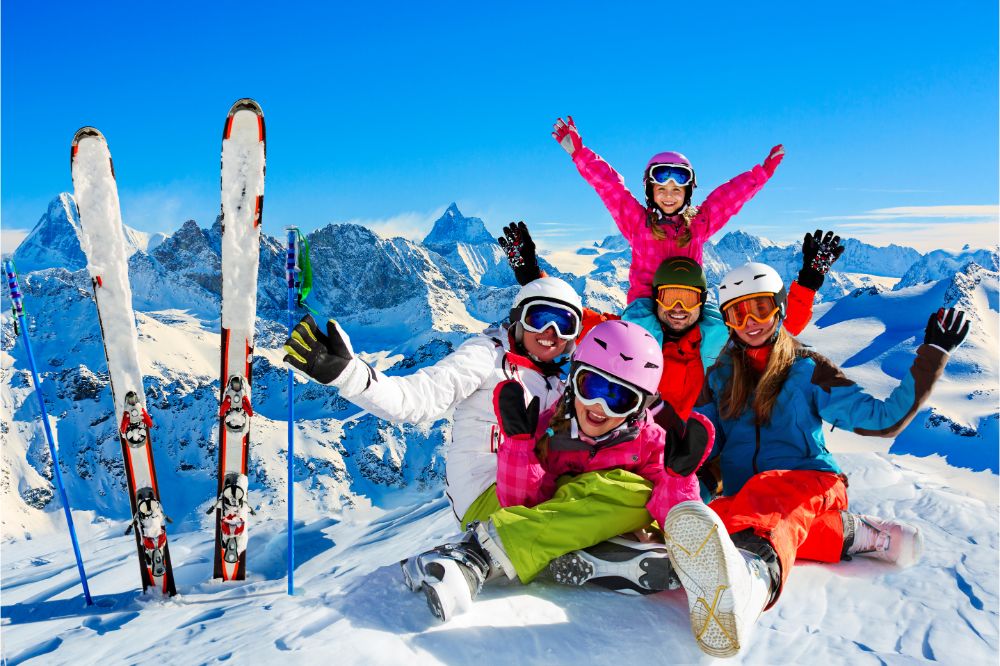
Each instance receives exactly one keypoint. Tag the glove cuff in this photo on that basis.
(810, 278)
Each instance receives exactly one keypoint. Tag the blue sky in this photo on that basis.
(385, 114)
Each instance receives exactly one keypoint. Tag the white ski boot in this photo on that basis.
(452, 574)
(886, 540)
(624, 564)
(727, 589)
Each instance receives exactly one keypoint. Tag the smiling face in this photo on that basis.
(545, 346)
(677, 318)
(593, 421)
(669, 197)
(756, 334)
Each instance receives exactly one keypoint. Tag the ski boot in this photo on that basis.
(881, 539)
(624, 564)
(451, 575)
(149, 520)
(727, 588)
(235, 512)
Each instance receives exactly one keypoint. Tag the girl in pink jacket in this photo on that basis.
(596, 466)
(666, 225)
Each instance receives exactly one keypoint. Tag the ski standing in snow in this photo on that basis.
(103, 241)
(243, 156)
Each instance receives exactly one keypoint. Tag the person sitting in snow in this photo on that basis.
(235, 409)
(667, 225)
(594, 465)
(783, 496)
(545, 320)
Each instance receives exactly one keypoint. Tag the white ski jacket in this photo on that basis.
(463, 381)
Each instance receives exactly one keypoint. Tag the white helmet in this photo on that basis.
(545, 289)
(753, 278)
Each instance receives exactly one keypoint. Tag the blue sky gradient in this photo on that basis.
(385, 114)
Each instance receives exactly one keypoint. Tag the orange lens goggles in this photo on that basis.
(688, 298)
(762, 307)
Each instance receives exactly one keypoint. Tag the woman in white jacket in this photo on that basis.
(544, 322)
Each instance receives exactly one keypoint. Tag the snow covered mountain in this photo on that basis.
(369, 493)
(940, 264)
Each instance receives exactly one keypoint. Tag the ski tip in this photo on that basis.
(81, 134)
(88, 132)
(245, 104)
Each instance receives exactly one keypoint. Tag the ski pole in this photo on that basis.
(290, 272)
(18, 308)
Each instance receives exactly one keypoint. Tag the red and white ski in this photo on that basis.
(243, 156)
(103, 241)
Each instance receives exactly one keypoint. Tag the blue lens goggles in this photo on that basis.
(540, 315)
(663, 173)
(617, 399)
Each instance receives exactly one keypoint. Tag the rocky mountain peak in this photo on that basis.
(55, 239)
(453, 227)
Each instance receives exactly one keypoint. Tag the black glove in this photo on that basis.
(322, 357)
(946, 329)
(520, 249)
(515, 418)
(685, 442)
(818, 254)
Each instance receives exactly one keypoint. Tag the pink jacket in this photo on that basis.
(524, 480)
(630, 216)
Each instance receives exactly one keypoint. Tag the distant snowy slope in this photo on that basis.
(54, 241)
(941, 264)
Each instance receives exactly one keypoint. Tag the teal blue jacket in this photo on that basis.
(815, 391)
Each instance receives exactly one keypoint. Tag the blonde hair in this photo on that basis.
(683, 237)
(744, 389)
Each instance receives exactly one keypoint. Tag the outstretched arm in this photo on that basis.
(843, 403)
(727, 199)
(425, 395)
(625, 209)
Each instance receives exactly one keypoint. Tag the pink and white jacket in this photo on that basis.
(522, 479)
(630, 216)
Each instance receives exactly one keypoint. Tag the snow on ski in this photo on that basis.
(243, 155)
(103, 241)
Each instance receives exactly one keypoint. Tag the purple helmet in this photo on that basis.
(668, 157)
(623, 350)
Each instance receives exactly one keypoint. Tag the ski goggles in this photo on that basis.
(760, 307)
(664, 173)
(669, 296)
(593, 387)
(537, 316)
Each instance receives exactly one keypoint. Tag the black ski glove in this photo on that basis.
(685, 442)
(520, 249)
(946, 329)
(322, 357)
(515, 418)
(818, 254)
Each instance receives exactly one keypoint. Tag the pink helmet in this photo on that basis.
(623, 350)
(668, 157)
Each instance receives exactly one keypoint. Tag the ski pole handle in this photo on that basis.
(15, 292)
(292, 258)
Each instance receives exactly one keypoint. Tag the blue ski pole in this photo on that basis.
(291, 273)
(18, 308)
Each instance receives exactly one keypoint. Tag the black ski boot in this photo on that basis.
(624, 564)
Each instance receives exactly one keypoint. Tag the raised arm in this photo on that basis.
(819, 253)
(628, 213)
(425, 395)
(843, 403)
(727, 199)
